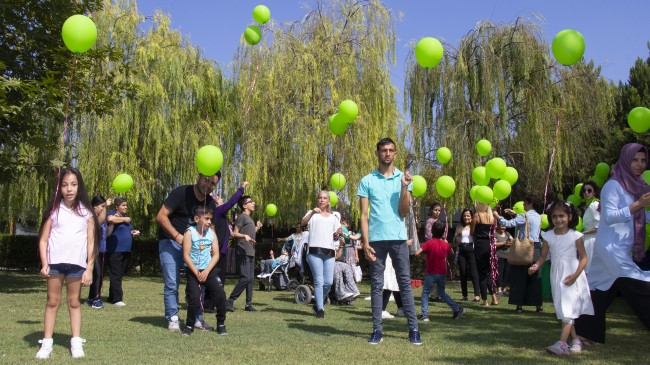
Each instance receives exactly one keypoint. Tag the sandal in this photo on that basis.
(495, 303)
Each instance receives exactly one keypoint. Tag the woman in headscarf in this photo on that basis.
(620, 245)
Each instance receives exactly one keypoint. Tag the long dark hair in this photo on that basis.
(462, 222)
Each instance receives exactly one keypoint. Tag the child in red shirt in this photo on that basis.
(437, 250)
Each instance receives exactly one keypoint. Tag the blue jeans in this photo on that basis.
(438, 279)
(399, 253)
(322, 269)
(171, 261)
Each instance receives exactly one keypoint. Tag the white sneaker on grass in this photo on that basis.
(119, 304)
(77, 347)
(174, 325)
(559, 348)
(46, 348)
(386, 315)
(576, 346)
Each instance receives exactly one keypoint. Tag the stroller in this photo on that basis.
(279, 278)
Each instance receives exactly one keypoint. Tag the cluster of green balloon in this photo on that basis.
(253, 33)
(208, 160)
(271, 210)
(639, 119)
(545, 223)
(428, 52)
(568, 47)
(348, 112)
(419, 186)
(79, 33)
(445, 186)
(334, 199)
(443, 154)
(519, 207)
(122, 183)
(337, 181)
(484, 195)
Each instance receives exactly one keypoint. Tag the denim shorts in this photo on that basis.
(67, 270)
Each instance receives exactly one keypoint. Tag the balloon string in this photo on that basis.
(550, 166)
(62, 151)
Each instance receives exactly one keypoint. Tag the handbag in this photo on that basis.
(521, 251)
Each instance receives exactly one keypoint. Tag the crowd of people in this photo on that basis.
(79, 236)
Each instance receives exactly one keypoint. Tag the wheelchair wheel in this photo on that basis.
(293, 284)
(303, 295)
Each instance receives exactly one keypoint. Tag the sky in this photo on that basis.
(616, 32)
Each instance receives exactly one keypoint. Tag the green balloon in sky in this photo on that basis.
(79, 33)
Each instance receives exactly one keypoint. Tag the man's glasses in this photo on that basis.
(249, 201)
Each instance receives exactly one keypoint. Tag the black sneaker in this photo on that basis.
(375, 338)
(414, 337)
(230, 306)
(320, 314)
(437, 300)
(187, 330)
(458, 313)
(221, 330)
(250, 308)
(423, 318)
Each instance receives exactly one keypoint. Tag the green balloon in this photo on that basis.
(577, 189)
(510, 175)
(545, 223)
(445, 186)
(334, 199)
(598, 180)
(639, 119)
(484, 147)
(348, 110)
(208, 160)
(253, 35)
(472, 192)
(271, 210)
(495, 167)
(568, 47)
(502, 189)
(337, 125)
(428, 52)
(519, 207)
(419, 186)
(646, 176)
(443, 154)
(494, 203)
(484, 194)
(479, 176)
(602, 170)
(337, 181)
(261, 14)
(576, 200)
(122, 183)
(79, 33)
(579, 226)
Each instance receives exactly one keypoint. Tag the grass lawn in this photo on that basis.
(287, 333)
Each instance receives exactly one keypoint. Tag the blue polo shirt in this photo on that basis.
(384, 221)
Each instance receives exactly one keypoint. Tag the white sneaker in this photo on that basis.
(386, 315)
(558, 348)
(174, 325)
(46, 348)
(576, 346)
(119, 304)
(400, 312)
(77, 347)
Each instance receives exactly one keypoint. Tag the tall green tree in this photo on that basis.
(631, 94)
(501, 84)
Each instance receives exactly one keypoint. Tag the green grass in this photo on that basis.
(286, 333)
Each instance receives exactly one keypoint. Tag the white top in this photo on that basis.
(614, 240)
(68, 241)
(591, 217)
(465, 236)
(321, 230)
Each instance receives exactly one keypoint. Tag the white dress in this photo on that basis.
(589, 221)
(570, 301)
(614, 240)
(390, 280)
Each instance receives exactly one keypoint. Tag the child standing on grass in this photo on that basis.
(67, 251)
(437, 250)
(569, 285)
(201, 253)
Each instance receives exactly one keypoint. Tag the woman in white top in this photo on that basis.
(620, 245)
(322, 227)
(591, 218)
(466, 258)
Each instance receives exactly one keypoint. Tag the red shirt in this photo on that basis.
(437, 251)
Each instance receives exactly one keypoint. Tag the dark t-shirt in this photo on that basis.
(246, 225)
(120, 240)
(181, 202)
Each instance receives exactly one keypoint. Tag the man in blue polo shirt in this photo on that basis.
(385, 192)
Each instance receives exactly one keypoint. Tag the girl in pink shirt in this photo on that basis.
(67, 250)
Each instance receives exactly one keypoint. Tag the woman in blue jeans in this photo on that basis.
(322, 227)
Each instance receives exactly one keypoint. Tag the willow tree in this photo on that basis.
(180, 104)
(500, 83)
(292, 83)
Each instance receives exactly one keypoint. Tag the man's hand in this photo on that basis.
(370, 253)
(406, 178)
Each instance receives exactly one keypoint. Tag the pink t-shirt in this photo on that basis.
(68, 242)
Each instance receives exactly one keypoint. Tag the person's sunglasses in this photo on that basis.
(588, 190)
(250, 201)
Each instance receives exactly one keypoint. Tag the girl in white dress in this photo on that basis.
(569, 284)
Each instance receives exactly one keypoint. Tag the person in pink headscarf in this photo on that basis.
(620, 245)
